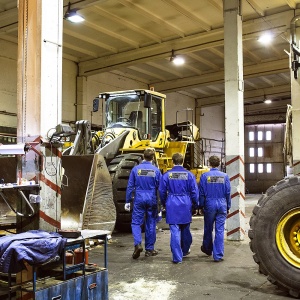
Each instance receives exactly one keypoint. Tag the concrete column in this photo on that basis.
(295, 101)
(234, 117)
(39, 101)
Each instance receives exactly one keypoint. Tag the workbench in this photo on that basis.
(71, 282)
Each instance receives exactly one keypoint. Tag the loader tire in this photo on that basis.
(119, 169)
(275, 235)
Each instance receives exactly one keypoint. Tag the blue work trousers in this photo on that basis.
(215, 216)
(144, 212)
(180, 241)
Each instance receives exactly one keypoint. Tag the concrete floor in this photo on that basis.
(198, 277)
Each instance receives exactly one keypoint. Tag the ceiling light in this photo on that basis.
(265, 38)
(176, 60)
(268, 101)
(72, 16)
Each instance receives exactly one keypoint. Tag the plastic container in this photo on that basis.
(69, 258)
(78, 256)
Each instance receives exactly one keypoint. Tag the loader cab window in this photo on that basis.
(156, 118)
(128, 111)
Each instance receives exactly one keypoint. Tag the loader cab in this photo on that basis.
(139, 109)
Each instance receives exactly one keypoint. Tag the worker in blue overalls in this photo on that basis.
(143, 185)
(178, 192)
(215, 202)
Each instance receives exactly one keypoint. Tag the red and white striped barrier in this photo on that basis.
(235, 168)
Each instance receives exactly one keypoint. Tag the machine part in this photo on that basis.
(119, 170)
(89, 193)
(134, 121)
(275, 235)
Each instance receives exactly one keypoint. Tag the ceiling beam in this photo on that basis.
(216, 4)
(256, 7)
(250, 96)
(201, 41)
(111, 33)
(8, 14)
(291, 3)
(187, 13)
(80, 49)
(261, 69)
(204, 61)
(216, 52)
(91, 41)
(152, 16)
(250, 54)
(143, 71)
(153, 52)
(165, 69)
(265, 107)
(126, 23)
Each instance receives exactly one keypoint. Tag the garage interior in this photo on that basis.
(131, 44)
(127, 45)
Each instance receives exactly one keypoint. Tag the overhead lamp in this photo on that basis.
(266, 38)
(176, 60)
(72, 15)
(266, 100)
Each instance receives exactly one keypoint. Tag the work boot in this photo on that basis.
(137, 251)
(151, 253)
(205, 251)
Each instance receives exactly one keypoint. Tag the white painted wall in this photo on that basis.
(212, 130)
(178, 102)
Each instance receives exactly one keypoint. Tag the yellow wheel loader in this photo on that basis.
(275, 227)
(133, 121)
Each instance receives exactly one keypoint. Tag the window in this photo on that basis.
(252, 169)
(251, 152)
(260, 152)
(259, 135)
(268, 135)
(269, 168)
(251, 135)
(260, 168)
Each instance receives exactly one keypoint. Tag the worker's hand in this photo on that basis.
(127, 206)
(227, 211)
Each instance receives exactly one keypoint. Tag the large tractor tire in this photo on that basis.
(275, 235)
(119, 169)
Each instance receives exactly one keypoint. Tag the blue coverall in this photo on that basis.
(178, 191)
(143, 183)
(214, 191)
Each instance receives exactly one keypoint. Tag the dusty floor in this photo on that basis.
(198, 277)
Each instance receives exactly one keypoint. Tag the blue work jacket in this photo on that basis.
(213, 187)
(143, 182)
(34, 247)
(178, 191)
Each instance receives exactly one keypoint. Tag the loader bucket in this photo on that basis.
(87, 200)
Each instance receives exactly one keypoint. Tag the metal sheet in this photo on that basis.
(88, 193)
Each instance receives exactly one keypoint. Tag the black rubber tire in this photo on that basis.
(119, 169)
(271, 207)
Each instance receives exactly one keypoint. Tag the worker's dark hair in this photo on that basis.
(214, 161)
(149, 154)
(177, 159)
